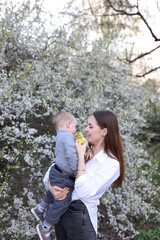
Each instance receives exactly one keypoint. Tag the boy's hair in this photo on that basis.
(60, 118)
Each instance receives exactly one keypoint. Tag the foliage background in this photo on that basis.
(43, 71)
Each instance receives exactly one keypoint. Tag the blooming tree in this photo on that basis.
(44, 71)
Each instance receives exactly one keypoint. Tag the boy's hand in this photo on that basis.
(88, 155)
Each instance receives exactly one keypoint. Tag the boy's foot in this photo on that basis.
(44, 234)
(37, 214)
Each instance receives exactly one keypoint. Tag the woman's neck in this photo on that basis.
(96, 149)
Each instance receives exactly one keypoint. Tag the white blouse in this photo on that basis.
(101, 172)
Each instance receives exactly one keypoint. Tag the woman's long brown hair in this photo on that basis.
(112, 142)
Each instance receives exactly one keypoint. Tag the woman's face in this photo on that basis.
(95, 134)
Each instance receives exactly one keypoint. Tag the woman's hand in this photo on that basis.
(57, 192)
(81, 149)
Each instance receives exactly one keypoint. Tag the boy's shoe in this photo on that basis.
(53, 235)
(44, 234)
(37, 214)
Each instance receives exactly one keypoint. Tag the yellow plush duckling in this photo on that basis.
(80, 138)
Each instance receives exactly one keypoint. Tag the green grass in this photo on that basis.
(150, 234)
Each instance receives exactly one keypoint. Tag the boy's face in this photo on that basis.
(73, 126)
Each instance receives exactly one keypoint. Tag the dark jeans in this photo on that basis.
(75, 224)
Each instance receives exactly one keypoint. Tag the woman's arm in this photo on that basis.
(97, 180)
(81, 149)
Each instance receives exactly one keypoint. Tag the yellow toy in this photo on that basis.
(80, 138)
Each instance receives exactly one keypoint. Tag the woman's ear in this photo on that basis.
(105, 131)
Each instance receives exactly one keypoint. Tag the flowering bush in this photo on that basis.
(58, 72)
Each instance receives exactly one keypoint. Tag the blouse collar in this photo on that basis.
(101, 156)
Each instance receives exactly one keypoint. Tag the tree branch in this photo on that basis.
(142, 55)
(158, 6)
(122, 12)
(138, 13)
(150, 29)
(90, 7)
(148, 72)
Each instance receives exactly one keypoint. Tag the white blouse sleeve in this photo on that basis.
(89, 185)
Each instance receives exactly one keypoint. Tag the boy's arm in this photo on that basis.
(71, 153)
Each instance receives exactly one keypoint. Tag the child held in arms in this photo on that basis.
(61, 174)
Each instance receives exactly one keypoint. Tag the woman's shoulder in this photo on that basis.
(108, 159)
(111, 159)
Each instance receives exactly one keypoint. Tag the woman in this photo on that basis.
(105, 168)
